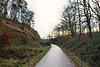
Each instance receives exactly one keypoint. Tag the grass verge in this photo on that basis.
(75, 59)
(36, 58)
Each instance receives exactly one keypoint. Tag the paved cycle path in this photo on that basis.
(55, 58)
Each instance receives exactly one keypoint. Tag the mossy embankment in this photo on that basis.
(85, 52)
(18, 47)
(35, 59)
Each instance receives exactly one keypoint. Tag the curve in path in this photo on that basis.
(55, 58)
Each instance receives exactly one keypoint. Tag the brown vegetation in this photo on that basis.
(17, 45)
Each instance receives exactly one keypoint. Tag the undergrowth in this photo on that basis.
(86, 49)
(17, 48)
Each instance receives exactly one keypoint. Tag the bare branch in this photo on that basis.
(97, 3)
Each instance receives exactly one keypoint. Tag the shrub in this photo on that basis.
(83, 36)
(87, 49)
(6, 38)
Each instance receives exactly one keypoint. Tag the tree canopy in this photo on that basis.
(78, 15)
(16, 10)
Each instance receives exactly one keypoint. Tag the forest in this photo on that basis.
(77, 34)
(79, 30)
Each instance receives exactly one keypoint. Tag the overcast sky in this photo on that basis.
(48, 13)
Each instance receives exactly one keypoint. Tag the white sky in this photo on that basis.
(48, 14)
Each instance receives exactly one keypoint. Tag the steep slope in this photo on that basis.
(17, 46)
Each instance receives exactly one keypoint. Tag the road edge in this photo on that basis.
(74, 59)
(37, 58)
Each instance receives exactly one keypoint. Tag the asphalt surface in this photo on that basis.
(55, 58)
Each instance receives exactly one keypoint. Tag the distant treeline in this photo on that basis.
(78, 15)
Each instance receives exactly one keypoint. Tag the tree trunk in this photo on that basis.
(99, 27)
(79, 19)
(89, 26)
(80, 28)
(5, 11)
(72, 32)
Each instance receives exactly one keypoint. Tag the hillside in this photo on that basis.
(85, 52)
(17, 46)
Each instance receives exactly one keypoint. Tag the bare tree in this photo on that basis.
(87, 12)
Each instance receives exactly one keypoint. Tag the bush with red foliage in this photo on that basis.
(83, 36)
(5, 38)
